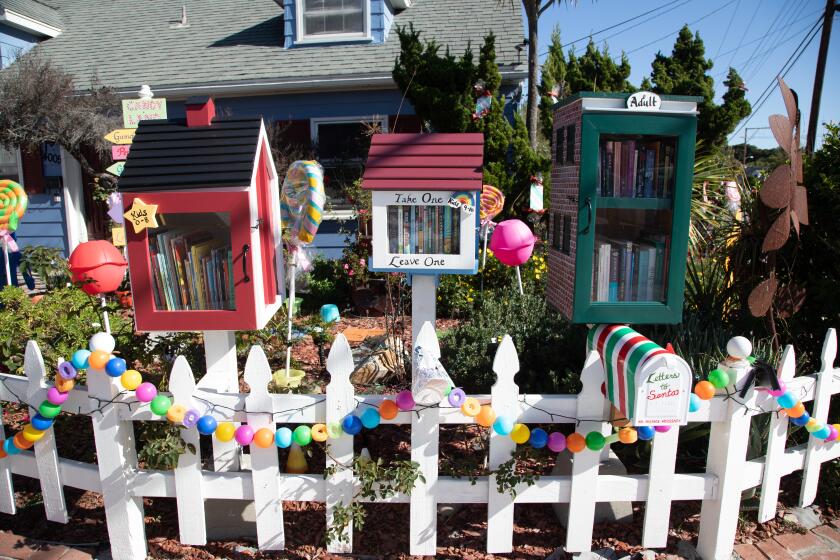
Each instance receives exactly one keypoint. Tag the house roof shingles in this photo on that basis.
(39, 11)
(123, 43)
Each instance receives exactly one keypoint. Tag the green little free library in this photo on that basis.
(621, 179)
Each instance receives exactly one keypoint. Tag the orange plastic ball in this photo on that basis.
(64, 385)
(575, 443)
(263, 438)
(471, 407)
(627, 435)
(704, 390)
(486, 416)
(98, 359)
(22, 443)
(175, 413)
(388, 410)
(3, 453)
(796, 410)
(319, 432)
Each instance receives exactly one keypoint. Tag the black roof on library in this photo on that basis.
(167, 155)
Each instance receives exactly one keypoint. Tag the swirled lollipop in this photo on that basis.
(302, 200)
(13, 203)
(492, 202)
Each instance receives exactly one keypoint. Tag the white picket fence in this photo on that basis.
(123, 484)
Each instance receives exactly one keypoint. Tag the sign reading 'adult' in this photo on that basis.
(644, 101)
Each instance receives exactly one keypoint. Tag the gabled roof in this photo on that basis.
(167, 154)
(35, 15)
(446, 162)
(235, 46)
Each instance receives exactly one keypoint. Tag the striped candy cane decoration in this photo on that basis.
(623, 352)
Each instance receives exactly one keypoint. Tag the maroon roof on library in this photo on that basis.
(420, 162)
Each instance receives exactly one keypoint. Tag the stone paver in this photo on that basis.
(800, 543)
(749, 552)
(774, 550)
(825, 555)
(830, 534)
(16, 547)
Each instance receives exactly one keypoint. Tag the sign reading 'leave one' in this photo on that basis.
(644, 101)
(136, 110)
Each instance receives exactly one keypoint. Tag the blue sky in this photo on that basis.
(755, 36)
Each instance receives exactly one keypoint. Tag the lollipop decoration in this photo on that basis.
(13, 204)
(484, 101)
(492, 202)
(100, 268)
(513, 243)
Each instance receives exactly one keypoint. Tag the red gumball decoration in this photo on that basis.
(98, 267)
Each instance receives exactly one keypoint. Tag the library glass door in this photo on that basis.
(635, 192)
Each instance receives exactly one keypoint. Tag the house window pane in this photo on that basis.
(9, 165)
(342, 148)
(333, 17)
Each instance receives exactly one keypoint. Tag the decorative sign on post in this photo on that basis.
(644, 101)
(142, 215)
(121, 136)
(136, 110)
(647, 383)
(116, 169)
(120, 152)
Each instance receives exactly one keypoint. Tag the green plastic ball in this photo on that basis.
(160, 404)
(49, 410)
(815, 427)
(302, 435)
(719, 378)
(595, 441)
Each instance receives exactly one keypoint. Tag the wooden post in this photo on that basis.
(660, 487)
(46, 455)
(727, 454)
(776, 441)
(116, 457)
(265, 471)
(504, 401)
(223, 377)
(340, 403)
(822, 400)
(7, 489)
(423, 303)
(189, 491)
(424, 431)
(591, 404)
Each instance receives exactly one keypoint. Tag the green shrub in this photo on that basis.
(326, 283)
(551, 350)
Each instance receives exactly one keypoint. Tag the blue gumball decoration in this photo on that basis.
(645, 432)
(351, 424)
(503, 425)
(693, 403)
(80, 359)
(787, 400)
(9, 447)
(206, 425)
(370, 418)
(538, 439)
(822, 433)
(115, 367)
(283, 438)
(40, 423)
(802, 420)
(329, 313)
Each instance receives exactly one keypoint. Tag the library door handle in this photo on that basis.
(588, 203)
(245, 249)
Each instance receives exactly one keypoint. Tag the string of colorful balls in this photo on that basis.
(793, 407)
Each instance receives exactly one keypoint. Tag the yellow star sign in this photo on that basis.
(142, 215)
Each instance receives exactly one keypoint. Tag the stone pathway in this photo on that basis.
(821, 543)
(15, 547)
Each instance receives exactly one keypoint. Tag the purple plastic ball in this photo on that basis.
(191, 417)
(662, 429)
(781, 391)
(55, 396)
(456, 397)
(67, 371)
(556, 442)
(244, 434)
(834, 433)
(405, 400)
(145, 392)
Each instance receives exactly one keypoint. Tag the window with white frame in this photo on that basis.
(10, 164)
(342, 145)
(323, 20)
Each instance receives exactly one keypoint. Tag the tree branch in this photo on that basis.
(544, 7)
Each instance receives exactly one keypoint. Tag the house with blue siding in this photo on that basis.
(319, 71)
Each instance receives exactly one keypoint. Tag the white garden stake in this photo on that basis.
(6, 259)
(291, 304)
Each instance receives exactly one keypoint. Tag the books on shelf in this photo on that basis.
(636, 168)
(191, 270)
(424, 230)
(629, 270)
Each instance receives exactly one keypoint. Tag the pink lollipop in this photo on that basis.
(513, 243)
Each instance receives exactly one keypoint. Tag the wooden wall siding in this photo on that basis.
(123, 485)
(381, 20)
(43, 224)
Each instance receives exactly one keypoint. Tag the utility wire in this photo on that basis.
(743, 35)
(728, 27)
(765, 95)
(774, 29)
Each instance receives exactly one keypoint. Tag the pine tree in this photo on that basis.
(553, 74)
(685, 72)
(596, 70)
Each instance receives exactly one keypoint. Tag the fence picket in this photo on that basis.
(726, 458)
(222, 376)
(504, 401)
(340, 402)
(663, 457)
(189, 491)
(591, 404)
(822, 401)
(425, 434)
(264, 461)
(46, 455)
(7, 489)
(776, 440)
(116, 456)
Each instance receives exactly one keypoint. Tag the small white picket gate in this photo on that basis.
(123, 484)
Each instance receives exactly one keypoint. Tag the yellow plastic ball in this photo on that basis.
(520, 433)
(131, 379)
(319, 432)
(31, 434)
(176, 413)
(486, 416)
(225, 431)
(64, 385)
(471, 407)
(628, 435)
